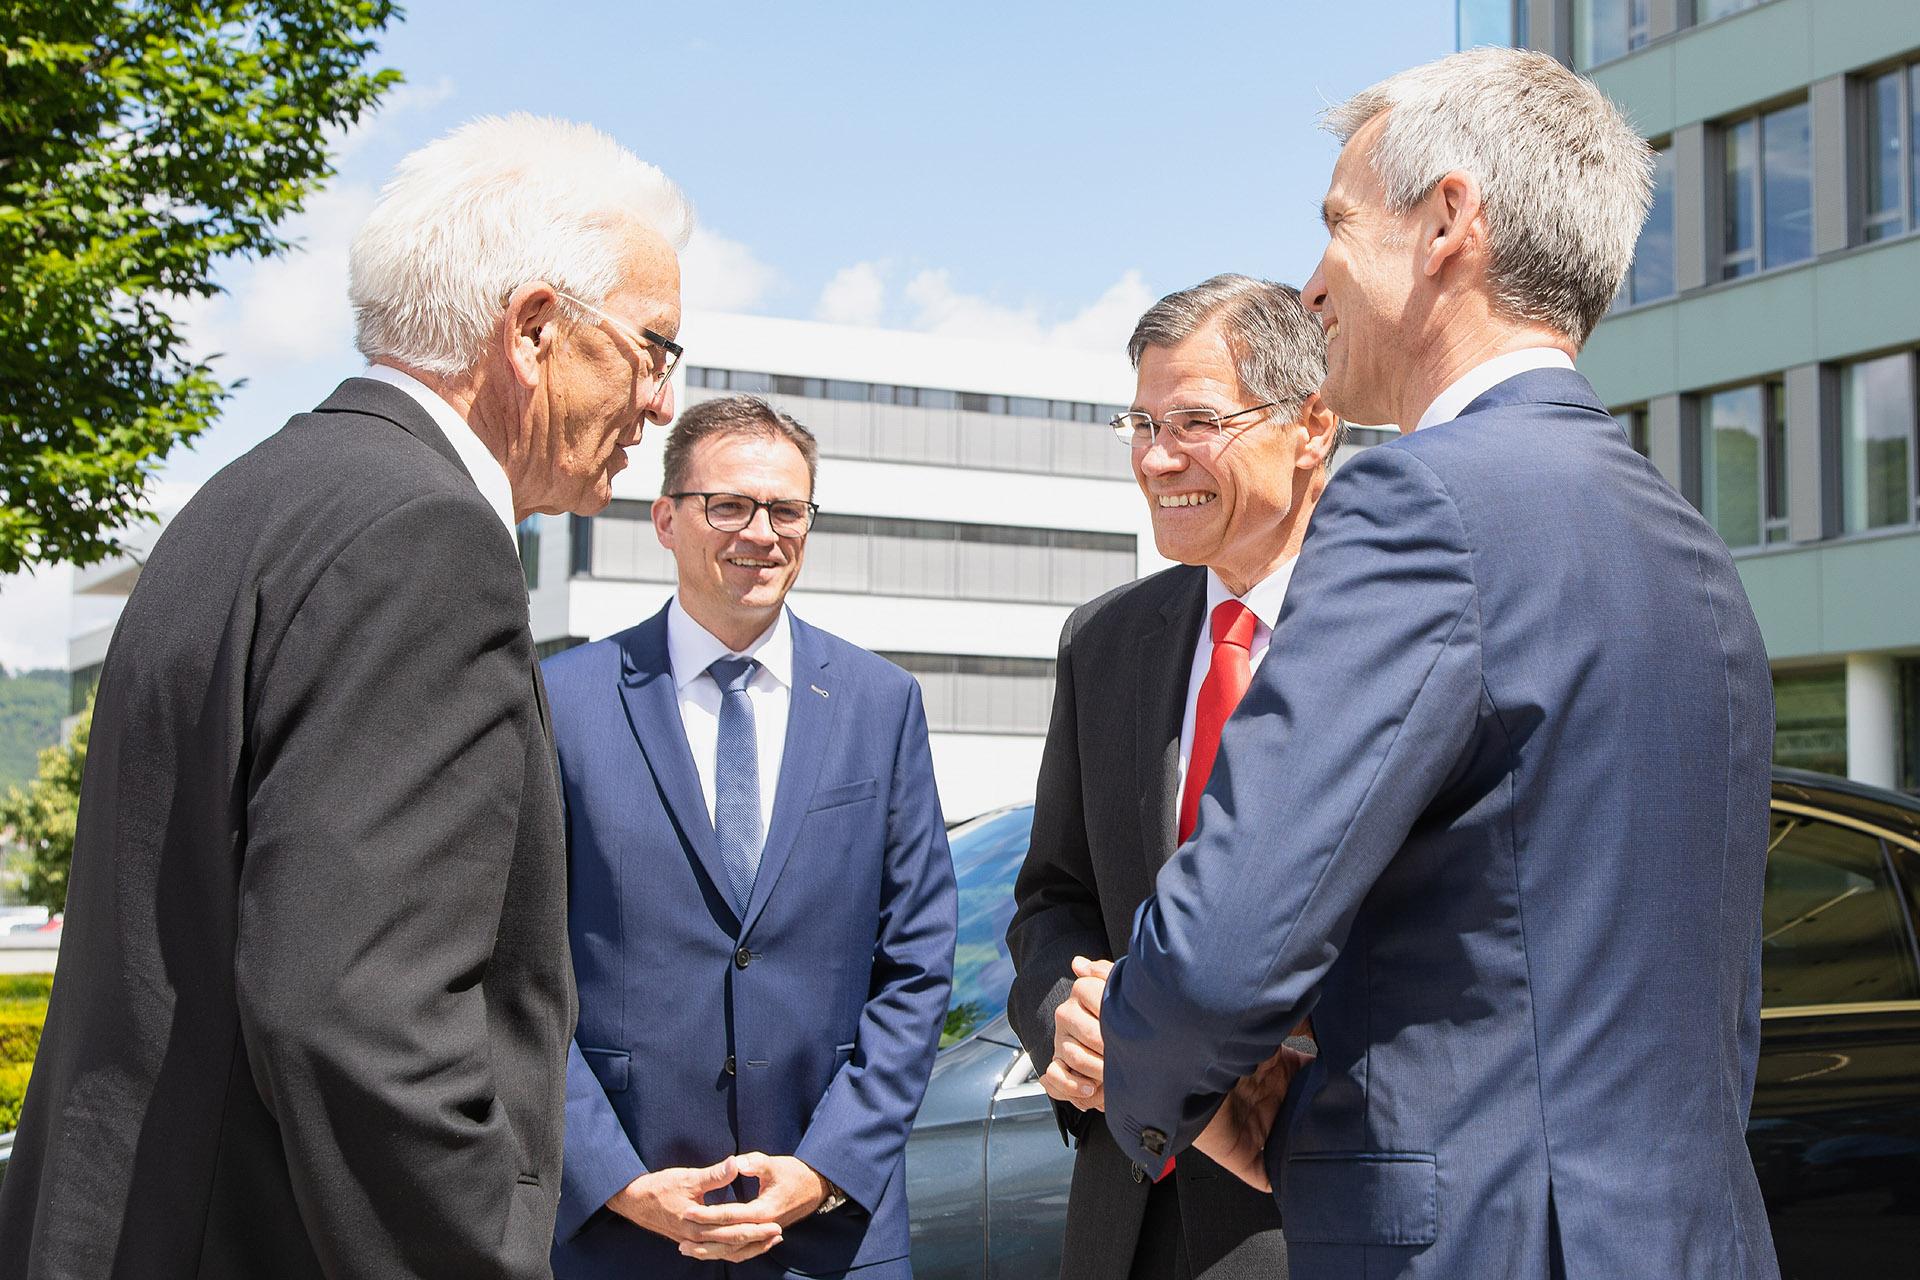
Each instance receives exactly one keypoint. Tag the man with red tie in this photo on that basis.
(1230, 443)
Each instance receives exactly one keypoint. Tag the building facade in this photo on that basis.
(1763, 349)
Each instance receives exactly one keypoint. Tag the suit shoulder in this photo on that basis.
(1121, 609)
(594, 663)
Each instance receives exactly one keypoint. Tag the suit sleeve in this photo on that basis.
(387, 754)
(859, 1130)
(599, 1160)
(1056, 911)
(1342, 741)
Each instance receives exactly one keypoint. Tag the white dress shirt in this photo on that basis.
(1487, 375)
(488, 475)
(691, 648)
(1265, 598)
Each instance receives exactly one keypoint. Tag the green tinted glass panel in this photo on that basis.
(1810, 719)
(1731, 433)
(1876, 466)
(1833, 929)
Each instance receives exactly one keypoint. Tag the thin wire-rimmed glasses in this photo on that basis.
(639, 339)
(732, 512)
(1187, 426)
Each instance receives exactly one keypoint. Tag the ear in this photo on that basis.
(663, 513)
(1321, 424)
(529, 328)
(1450, 219)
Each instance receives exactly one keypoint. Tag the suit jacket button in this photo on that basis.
(742, 958)
(1139, 1174)
(729, 1064)
(1154, 1141)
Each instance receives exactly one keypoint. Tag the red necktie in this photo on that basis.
(1229, 672)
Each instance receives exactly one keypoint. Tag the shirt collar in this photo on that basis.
(1264, 597)
(691, 648)
(488, 475)
(1485, 376)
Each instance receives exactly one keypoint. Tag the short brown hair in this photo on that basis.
(733, 416)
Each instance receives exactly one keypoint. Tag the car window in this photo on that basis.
(1833, 929)
(987, 854)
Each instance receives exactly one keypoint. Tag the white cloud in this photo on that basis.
(34, 618)
(407, 97)
(1102, 325)
(856, 295)
(718, 274)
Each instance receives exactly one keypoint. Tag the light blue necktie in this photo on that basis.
(736, 778)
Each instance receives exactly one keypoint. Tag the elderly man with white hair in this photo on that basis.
(315, 994)
(1499, 821)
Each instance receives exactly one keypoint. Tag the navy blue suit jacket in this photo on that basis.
(1498, 822)
(806, 1029)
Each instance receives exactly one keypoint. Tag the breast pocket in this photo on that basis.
(847, 793)
(1361, 1197)
(609, 1066)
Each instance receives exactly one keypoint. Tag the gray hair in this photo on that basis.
(732, 416)
(1564, 179)
(1279, 350)
(496, 204)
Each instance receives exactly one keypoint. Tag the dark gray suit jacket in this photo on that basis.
(314, 996)
(1104, 822)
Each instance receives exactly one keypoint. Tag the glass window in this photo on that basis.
(987, 856)
(929, 398)
(1734, 488)
(1026, 407)
(1651, 276)
(1767, 191)
(1810, 719)
(1833, 927)
(1890, 178)
(1876, 443)
(1490, 22)
(1606, 29)
(1633, 424)
(1708, 10)
(526, 535)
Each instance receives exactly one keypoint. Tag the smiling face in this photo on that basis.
(598, 390)
(1223, 503)
(734, 583)
(1366, 290)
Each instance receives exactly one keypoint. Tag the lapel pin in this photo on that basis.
(817, 689)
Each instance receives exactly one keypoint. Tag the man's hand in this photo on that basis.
(671, 1203)
(1078, 1072)
(1236, 1137)
(789, 1191)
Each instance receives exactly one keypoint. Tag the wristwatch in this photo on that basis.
(835, 1197)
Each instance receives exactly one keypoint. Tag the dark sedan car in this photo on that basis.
(1835, 1130)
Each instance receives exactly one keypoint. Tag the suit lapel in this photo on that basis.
(653, 713)
(1163, 662)
(812, 705)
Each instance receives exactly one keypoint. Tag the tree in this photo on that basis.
(143, 144)
(43, 817)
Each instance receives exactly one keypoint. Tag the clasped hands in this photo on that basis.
(1236, 1137)
(672, 1203)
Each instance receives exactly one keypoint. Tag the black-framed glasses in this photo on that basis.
(1188, 426)
(732, 512)
(640, 339)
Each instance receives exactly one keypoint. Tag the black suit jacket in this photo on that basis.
(1104, 822)
(314, 997)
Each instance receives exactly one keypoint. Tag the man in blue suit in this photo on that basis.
(1498, 823)
(763, 905)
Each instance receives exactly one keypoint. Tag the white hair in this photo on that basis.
(498, 203)
(1565, 181)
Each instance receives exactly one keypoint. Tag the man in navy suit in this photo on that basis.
(763, 904)
(1498, 823)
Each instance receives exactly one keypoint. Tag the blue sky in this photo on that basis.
(1044, 169)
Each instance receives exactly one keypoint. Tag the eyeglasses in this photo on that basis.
(1188, 426)
(640, 339)
(732, 512)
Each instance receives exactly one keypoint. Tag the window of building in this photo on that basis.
(1810, 719)
(80, 687)
(1607, 29)
(1492, 22)
(969, 694)
(1651, 275)
(1833, 926)
(1633, 424)
(1767, 192)
(1890, 178)
(1743, 487)
(1877, 443)
(1709, 10)
(526, 536)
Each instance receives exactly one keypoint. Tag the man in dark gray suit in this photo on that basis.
(1498, 821)
(314, 1000)
(1229, 443)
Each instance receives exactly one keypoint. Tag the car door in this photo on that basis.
(1835, 1130)
(1029, 1168)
